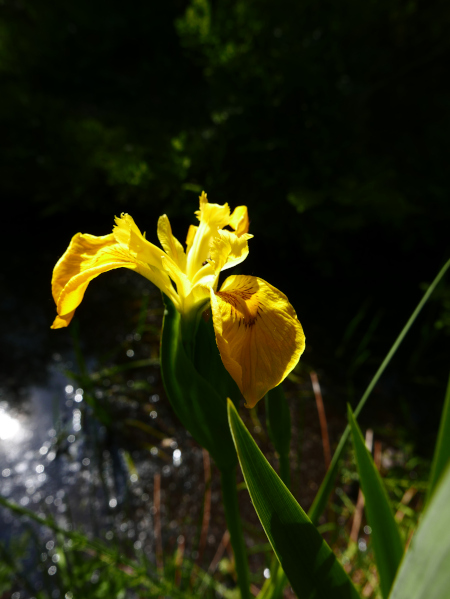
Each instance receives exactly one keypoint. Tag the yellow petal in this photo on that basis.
(81, 249)
(217, 216)
(258, 334)
(192, 231)
(156, 262)
(180, 279)
(212, 217)
(227, 249)
(198, 299)
(62, 321)
(207, 272)
(239, 220)
(127, 234)
(171, 245)
(88, 256)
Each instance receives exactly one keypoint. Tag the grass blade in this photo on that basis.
(387, 543)
(323, 493)
(442, 449)
(307, 560)
(425, 570)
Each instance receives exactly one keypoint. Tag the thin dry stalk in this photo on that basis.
(322, 419)
(219, 552)
(357, 518)
(157, 521)
(229, 550)
(181, 542)
(377, 454)
(409, 539)
(408, 495)
(367, 590)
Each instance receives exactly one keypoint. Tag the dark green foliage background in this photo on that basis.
(329, 120)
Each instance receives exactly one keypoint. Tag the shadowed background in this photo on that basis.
(329, 121)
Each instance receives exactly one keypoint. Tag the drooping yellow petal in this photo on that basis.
(62, 321)
(227, 249)
(239, 220)
(151, 260)
(171, 245)
(81, 249)
(259, 337)
(88, 256)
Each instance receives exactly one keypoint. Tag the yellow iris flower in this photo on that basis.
(259, 337)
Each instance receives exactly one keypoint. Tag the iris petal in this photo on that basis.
(216, 216)
(171, 245)
(88, 256)
(179, 278)
(239, 220)
(212, 217)
(81, 249)
(127, 234)
(258, 334)
(228, 250)
(190, 237)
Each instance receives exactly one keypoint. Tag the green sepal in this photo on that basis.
(311, 567)
(209, 365)
(200, 408)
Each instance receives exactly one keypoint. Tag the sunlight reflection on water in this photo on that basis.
(9, 426)
(55, 455)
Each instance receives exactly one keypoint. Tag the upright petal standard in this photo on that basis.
(258, 335)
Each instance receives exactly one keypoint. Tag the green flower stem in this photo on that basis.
(231, 504)
(285, 469)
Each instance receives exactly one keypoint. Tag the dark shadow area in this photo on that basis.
(329, 121)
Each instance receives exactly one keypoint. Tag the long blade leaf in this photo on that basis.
(387, 543)
(425, 570)
(307, 560)
(323, 493)
(442, 449)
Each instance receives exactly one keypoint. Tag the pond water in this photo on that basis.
(89, 456)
